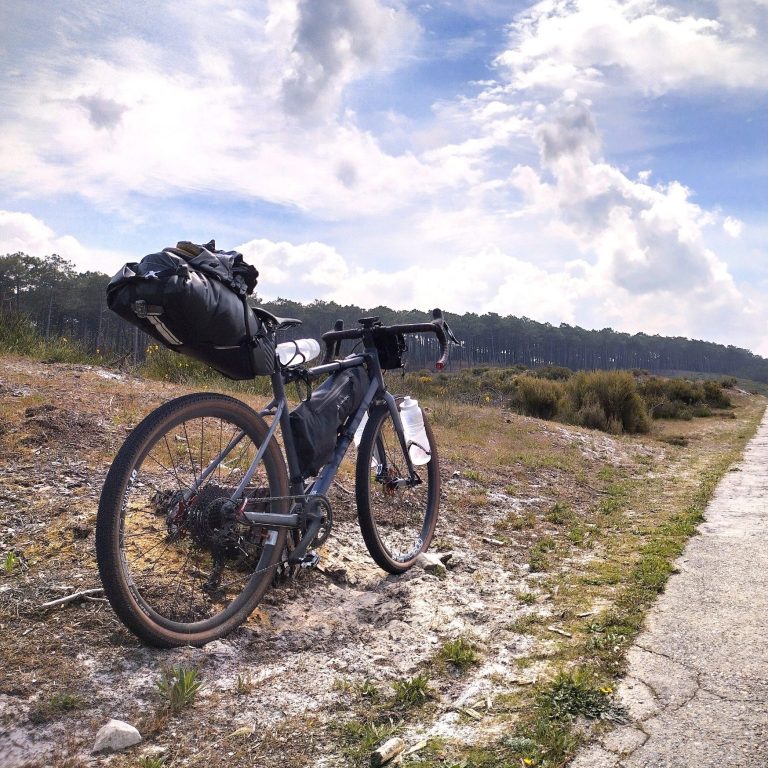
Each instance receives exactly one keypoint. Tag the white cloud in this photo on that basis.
(335, 41)
(24, 233)
(650, 46)
(125, 116)
(733, 226)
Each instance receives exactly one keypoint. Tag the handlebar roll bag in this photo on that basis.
(390, 347)
(193, 300)
(316, 423)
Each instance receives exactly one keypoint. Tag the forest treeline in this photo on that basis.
(61, 302)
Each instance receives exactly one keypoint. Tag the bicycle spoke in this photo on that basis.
(186, 563)
(189, 451)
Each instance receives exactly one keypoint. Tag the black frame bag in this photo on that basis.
(315, 423)
(193, 300)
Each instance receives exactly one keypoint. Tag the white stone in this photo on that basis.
(430, 563)
(114, 736)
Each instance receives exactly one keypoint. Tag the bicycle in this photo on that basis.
(201, 508)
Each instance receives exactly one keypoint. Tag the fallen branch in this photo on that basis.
(342, 488)
(72, 598)
(560, 631)
(387, 751)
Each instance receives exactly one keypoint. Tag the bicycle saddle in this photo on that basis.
(277, 323)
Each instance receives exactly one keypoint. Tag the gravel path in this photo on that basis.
(697, 684)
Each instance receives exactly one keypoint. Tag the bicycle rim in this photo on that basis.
(397, 520)
(178, 563)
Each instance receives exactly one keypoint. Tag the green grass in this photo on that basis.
(11, 562)
(369, 690)
(57, 705)
(179, 687)
(461, 653)
(412, 691)
(537, 558)
(148, 761)
(559, 514)
(361, 737)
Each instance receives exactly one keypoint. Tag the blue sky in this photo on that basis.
(600, 164)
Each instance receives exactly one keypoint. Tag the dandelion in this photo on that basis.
(606, 689)
(527, 761)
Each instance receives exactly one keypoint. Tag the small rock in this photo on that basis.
(114, 736)
(218, 648)
(338, 574)
(431, 563)
(154, 750)
(80, 531)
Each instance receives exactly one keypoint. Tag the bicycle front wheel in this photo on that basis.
(180, 563)
(397, 514)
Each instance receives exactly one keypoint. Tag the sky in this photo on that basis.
(602, 164)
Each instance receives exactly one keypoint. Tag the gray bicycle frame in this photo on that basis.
(377, 391)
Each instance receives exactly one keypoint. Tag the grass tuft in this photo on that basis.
(179, 687)
(412, 691)
(459, 652)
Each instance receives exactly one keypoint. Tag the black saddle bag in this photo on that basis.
(316, 423)
(193, 300)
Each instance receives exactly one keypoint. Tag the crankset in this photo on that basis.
(319, 520)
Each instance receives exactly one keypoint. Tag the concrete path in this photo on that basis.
(697, 685)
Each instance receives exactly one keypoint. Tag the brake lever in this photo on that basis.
(449, 333)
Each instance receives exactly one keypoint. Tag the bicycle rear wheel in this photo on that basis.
(179, 564)
(397, 518)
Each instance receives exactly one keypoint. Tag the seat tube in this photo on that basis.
(294, 474)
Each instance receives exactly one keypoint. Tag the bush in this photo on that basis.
(538, 397)
(612, 392)
(715, 396)
(672, 409)
(19, 336)
(682, 399)
(590, 414)
(553, 372)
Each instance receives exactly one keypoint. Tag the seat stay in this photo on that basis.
(259, 454)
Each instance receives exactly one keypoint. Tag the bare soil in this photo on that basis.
(323, 651)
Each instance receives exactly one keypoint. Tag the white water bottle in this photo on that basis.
(359, 431)
(297, 352)
(358, 436)
(415, 434)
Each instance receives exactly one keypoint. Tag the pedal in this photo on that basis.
(310, 560)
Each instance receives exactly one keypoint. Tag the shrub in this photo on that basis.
(715, 396)
(591, 414)
(538, 397)
(615, 393)
(682, 399)
(552, 372)
(19, 336)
